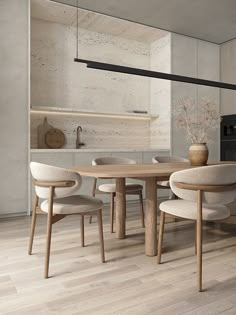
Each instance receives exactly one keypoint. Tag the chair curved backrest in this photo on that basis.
(106, 160)
(47, 173)
(206, 175)
(168, 159)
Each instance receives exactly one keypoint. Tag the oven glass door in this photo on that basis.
(228, 150)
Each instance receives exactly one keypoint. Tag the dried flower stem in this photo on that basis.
(196, 118)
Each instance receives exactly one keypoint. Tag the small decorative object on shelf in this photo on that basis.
(137, 111)
(197, 118)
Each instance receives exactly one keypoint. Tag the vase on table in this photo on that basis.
(198, 154)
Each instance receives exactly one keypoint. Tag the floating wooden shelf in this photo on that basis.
(71, 112)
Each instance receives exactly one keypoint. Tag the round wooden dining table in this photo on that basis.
(150, 174)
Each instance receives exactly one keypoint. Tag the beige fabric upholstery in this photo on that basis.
(164, 183)
(43, 172)
(206, 175)
(112, 160)
(188, 210)
(168, 159)
(65, 200)
(61, 201)
(111, 188)
(73, 205)
(213, 202)
(132, 189)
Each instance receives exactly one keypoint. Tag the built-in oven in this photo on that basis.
(228, 138)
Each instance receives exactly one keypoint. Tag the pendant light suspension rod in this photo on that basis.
(77, 30)
(154, 74)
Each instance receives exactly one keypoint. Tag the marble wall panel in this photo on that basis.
(56, 80)
(98, 132)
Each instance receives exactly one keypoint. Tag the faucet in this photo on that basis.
(78, 143)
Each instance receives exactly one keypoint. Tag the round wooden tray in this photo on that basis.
(55, 138)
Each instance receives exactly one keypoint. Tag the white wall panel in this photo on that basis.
(200, 59)
(14, 85)
(228, 74)
(160, 93)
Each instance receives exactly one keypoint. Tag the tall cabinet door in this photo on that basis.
(14, 100)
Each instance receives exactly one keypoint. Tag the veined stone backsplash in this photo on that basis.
(98, 132)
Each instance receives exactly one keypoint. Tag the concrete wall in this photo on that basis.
(14, 80)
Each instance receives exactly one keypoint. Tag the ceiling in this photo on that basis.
(209, 20)
(53, 12)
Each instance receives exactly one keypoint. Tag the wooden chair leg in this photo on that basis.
(82, 230)
(142, 209)
(160, 238)
(173, 198)
(93, 194)
(196, 238)
(199, 242)
(100, 230)
(112, 207)
(49, 233)
(33, 222)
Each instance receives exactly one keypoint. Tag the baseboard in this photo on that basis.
(13, 215)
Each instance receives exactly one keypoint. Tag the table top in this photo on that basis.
(136, 170)
(131, 170)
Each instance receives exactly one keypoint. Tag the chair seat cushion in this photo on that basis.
(110, 188)
(188, 210)
(165, 183)
(73, 205)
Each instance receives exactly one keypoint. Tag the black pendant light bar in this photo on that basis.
(154, 74)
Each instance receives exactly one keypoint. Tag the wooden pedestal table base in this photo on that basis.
(151, 217)
(120, 208)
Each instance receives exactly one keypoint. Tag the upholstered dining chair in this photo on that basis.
(59, 188)
(110, 188)
(167, 159)
(204, 193)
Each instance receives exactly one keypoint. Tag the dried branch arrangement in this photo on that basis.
(197, 118)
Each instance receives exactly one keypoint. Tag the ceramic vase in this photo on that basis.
(198, 154)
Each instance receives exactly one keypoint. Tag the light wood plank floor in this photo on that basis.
(129, 283)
